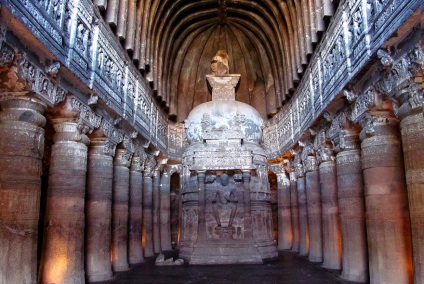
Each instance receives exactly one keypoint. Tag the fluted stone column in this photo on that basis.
(147, 215)
(412, 130)
(313, 200)
(303, 213)
(99, 210)
(21, 143)
(351, 202)
(387, 211)
(332, 238)
(156, 208)
(135, 249)
(285, 233)
(294, 211)
(165, 211)
(121, 184)
(63, 247)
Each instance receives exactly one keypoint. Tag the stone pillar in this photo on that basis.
(21, 143)
(331, 234)
(63, 246)
(156, 208)
(147, 231)
(98, 208)
(313, 200)
(387, 211)
(294, 211)
(285, 234)
(350, 193)
(303, 214)
(201, 175)
(165, 211)
(248, 233)
(332, 238)
(135, 249)
(121, 184)
(412, 130)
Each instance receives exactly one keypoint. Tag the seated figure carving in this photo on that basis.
(225, 195)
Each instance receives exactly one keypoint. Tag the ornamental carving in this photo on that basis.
(365, 102)
(7, 54)
(38, 82)
(88, 117)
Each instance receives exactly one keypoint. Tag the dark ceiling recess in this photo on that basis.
(172, 42)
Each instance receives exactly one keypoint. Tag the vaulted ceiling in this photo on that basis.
(172, 43)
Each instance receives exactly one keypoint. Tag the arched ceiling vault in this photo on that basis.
(172, 42)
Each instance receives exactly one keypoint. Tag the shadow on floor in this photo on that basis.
(288, 268)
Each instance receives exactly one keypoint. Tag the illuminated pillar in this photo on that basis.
(135, 250)
(284, 215)
(99, 209)
(294, 211)
(21, 153)
(387, 211)
(313, 200)
(156, 208)
(165, 211)
(121, 180)
(63, 246)
(147, 215)
(351, 200)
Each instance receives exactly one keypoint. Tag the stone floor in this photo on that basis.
(288, 268)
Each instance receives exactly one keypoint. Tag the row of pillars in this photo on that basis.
(360, 210)
(100, 208)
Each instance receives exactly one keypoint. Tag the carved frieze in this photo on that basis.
(38, 82)
(87, 115)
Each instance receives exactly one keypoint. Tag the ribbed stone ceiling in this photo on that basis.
(172, 42)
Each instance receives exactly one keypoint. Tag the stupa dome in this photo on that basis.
(225, 119)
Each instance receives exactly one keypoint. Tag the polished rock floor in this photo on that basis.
(288, 268)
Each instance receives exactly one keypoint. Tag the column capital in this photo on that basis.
(308, 157)
(373, 123)
(344, 134)
(297, 162)
(19, 107)
(323, 146)
(102, 146)
(400, 72)
(122, 158)
(149, 165)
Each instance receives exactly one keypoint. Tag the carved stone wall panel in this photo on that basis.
(351, 47)
(91, 52)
